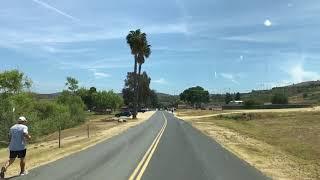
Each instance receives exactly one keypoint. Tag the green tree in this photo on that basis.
(279, 98)
(13, 81)
(87, 96)
(92, 90)
(195, 96)
(74, 103)
(153, 99)
(137, 42)
(144, 86)
(72, 84)
(228, 98)
(107, 100)
(237, 96)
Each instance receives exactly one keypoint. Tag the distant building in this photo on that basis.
(236, 102)
(184, 106)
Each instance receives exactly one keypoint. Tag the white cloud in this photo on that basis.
(160, 81)
(109, 63)
(167, 28)
(267, 23)
(245, 38)
(54, 50)
(55, 10)
(230, 77)
(241, 58)
(99, 75)
(299, 74)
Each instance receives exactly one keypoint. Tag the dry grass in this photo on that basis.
(73, 140)
(196, 113)
(283, 145)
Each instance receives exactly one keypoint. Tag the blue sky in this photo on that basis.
(222, 45)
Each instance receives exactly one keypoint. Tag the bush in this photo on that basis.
(305, 95)
(279, 98)
(250, 103)
(75, 105)
(44, 117)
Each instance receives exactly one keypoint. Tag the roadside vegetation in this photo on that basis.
(146, 96)
(47, 116)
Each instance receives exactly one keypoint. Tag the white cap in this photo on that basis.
(22, 119)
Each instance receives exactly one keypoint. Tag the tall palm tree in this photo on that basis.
(143, 54)
(136, 41)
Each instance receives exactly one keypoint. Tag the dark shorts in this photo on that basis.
(19, 154)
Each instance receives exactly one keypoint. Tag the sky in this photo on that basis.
(221, 45)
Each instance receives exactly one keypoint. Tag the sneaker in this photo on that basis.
(2, 172)
(24, 173)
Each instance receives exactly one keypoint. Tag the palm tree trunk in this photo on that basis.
(135, 99)
(138, 86)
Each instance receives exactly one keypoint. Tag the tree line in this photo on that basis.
(198, 96)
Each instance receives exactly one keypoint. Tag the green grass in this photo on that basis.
(297, 133)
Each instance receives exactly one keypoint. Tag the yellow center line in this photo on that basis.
(153, 150)
(148, 154)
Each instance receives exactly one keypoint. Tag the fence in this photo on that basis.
(271, 106)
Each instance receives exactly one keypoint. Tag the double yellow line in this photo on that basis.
(140, 169)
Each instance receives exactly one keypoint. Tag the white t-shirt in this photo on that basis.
(18, 142)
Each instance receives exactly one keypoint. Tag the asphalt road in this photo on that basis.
(175, 150)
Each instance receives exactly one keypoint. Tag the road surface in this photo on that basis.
(163, 147)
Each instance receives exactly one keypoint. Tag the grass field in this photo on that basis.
(297, 133)
(283, 145)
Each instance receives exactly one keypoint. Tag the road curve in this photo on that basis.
(164, 146)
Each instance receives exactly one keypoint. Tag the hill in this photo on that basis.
(167, 99)
(302, 93)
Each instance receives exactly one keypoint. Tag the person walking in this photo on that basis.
(17, 136)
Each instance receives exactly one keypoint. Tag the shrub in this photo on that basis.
(250, 103)
(279, 98)
(305, 95)
(44, 117)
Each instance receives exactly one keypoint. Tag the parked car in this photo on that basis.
(124, 113)
(143, 110)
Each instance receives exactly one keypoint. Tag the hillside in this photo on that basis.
(302, 93)
(167, 99)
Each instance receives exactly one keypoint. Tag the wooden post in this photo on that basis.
(88, 130)
(59, 137)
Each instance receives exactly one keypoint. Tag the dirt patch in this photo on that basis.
(74, 140)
